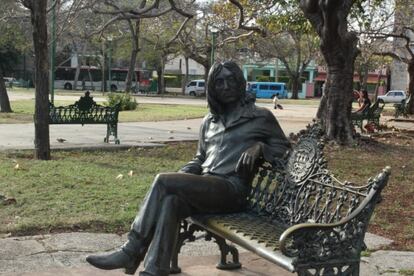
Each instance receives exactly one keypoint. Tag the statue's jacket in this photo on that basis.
(221, 144)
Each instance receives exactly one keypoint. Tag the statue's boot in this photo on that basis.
(128, 257)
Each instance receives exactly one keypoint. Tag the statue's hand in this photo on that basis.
(247, 161)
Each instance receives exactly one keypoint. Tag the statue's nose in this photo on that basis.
(226, 85)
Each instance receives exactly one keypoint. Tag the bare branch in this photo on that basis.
(392, 55)
(178, 31)
(235, 38)
(241, 19)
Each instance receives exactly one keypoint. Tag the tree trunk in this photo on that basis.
(410, 69)
(161, 80)
(41, 116)
(77, 72)
(339, 48)
(4, 98)
(134, 53)
(295, 87)
(335, 110)
(185, 81)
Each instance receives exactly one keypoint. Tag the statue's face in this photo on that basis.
(226, 87)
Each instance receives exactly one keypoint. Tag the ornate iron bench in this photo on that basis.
(401, 109)
(87, 111)
(299, 217)
(371, 114)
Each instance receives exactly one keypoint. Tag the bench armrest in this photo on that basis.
(344, 239)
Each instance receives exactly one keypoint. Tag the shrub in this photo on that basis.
(127, 102)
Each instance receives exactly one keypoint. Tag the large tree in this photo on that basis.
(38, 12)
(290, 39)
(338, 46)
(133, 13)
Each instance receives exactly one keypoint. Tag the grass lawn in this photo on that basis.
(79, 190)
(24, 109)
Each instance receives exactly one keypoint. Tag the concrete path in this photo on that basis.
(21, 136)
(64, 254)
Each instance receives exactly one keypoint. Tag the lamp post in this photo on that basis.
(214, 32)
(52, 54)
(109, 63)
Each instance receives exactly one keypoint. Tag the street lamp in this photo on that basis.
(214, 32)
(53, 54)
(109, 62)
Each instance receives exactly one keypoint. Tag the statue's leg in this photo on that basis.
(158, 258)
(173, 197)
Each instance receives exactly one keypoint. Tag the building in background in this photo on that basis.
(399, 74)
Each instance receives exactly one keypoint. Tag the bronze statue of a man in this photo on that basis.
(235, 137)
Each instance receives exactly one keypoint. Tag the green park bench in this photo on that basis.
(87, 111)
(300, 216)
(371, 114)
(401, 109)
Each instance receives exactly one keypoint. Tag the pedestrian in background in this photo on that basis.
(276, 104)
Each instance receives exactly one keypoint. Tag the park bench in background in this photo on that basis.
(300, 216)
(87, 111)
(371, 114)
(401, 109)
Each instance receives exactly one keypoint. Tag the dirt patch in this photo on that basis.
(394, 216)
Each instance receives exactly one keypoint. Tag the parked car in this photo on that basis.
(9, 82)
(393, 96)
(195, 88)
(268, 90)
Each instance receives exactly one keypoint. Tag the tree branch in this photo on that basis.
(392, 55)
(241, 19)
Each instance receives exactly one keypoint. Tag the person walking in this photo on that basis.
(276, 104)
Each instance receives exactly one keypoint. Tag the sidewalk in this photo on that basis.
(64, 254)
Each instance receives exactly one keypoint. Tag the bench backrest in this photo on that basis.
(376, 108)
(303, 190)
(86, 110)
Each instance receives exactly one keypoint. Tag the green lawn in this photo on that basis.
(81, 189)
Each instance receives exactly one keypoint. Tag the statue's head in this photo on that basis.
(225, 85)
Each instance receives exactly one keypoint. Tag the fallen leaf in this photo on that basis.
(9, 201)
(131, 173)
(120, 176)
(188, 127)
(171, 131)
(171, 137)
(17, 166)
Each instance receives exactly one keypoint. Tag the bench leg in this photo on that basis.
(186, 232)
(112, 129)
(225, 249)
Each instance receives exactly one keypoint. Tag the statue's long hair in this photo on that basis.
(215, 107)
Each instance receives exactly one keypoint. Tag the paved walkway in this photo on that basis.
(20, 136)
(64, 254)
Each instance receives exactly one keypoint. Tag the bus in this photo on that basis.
(90, 78)
(268, 90)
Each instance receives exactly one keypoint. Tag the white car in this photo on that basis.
(393, 96)
(195, 88)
